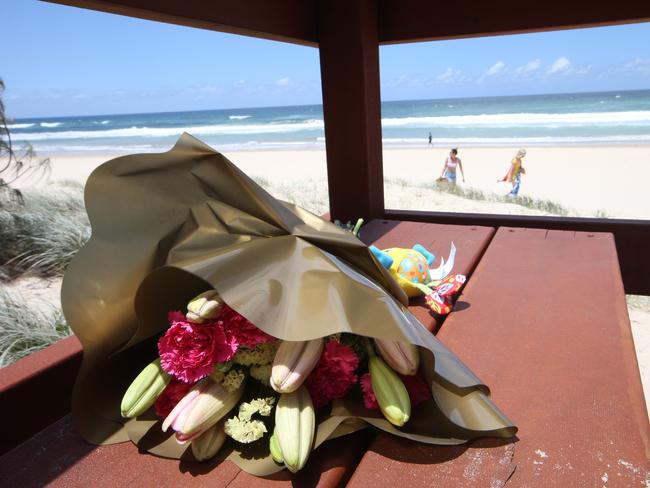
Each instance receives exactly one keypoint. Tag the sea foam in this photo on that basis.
(19, 126)
(524, 119)
(205, 130)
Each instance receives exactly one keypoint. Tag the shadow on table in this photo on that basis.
(407, 451)
(332, 464)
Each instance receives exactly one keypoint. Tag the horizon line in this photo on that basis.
(12, 120)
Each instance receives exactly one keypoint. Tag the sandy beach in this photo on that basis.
(603, 181)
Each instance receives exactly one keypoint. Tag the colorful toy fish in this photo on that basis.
(410, 267)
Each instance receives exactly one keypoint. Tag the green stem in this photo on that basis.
(357, 227)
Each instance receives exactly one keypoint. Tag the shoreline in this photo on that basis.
(412, 147)
(589, 181)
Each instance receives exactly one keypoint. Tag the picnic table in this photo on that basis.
(542, 321)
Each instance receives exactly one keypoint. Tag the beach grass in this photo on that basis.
(442, 197)
(638, 302)
(310, 194)
(25, 328)
(548, 207)
(41, 234)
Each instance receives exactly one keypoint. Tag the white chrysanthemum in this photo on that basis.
(262, 373)
(260, 355)
(233, 380)
(244, 431)
(262, 406)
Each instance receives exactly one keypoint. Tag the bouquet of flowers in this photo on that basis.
(207, 355)
(217, 320)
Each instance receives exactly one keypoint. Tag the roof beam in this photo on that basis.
(424, 20)
(291, 21)
(296, 21)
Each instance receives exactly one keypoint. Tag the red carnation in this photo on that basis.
(188, 351)
(369, 398)
(170, 396)
(245, 332)
(415, 386)
(334, 374)
(418, 390)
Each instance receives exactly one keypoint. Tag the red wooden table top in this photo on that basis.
(547, 329)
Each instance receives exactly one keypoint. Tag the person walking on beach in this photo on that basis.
(514, 173)
(449, 168)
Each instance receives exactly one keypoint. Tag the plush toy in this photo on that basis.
(410, 267)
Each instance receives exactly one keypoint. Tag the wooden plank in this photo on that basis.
(349, 60)
(58, 457)
(279, 20)
(64, 459)
(422, 20)
(548, 331)
(46, 374)
(470, 241)
(632, 236)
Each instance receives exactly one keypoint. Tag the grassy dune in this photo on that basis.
(41, 235)
(25, 328)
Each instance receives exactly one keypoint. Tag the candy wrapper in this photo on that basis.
(167, 227)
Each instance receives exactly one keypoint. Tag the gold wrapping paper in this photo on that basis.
(168, 226)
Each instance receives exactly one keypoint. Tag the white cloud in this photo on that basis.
(283, 82)
(496, 68)
(561, 65)
(638, 64)
(529, 67)
(450, 75)
(406, 81)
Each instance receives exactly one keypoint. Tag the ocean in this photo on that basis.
(621, 117)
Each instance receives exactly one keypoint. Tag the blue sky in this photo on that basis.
(68, 61)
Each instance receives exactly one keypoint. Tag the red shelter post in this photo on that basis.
(349, 60)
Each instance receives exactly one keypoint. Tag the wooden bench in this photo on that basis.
(542, 321)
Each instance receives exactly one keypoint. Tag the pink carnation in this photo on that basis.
(244, 331)
(170, 396)
(369, 398)
(417, 389)
(334, 374)
(189, 351)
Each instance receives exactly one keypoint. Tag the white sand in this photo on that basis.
(590, 181)
(612, 180)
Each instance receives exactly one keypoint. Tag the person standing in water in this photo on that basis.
(514, 173)
(449, 168)
(430, 139)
